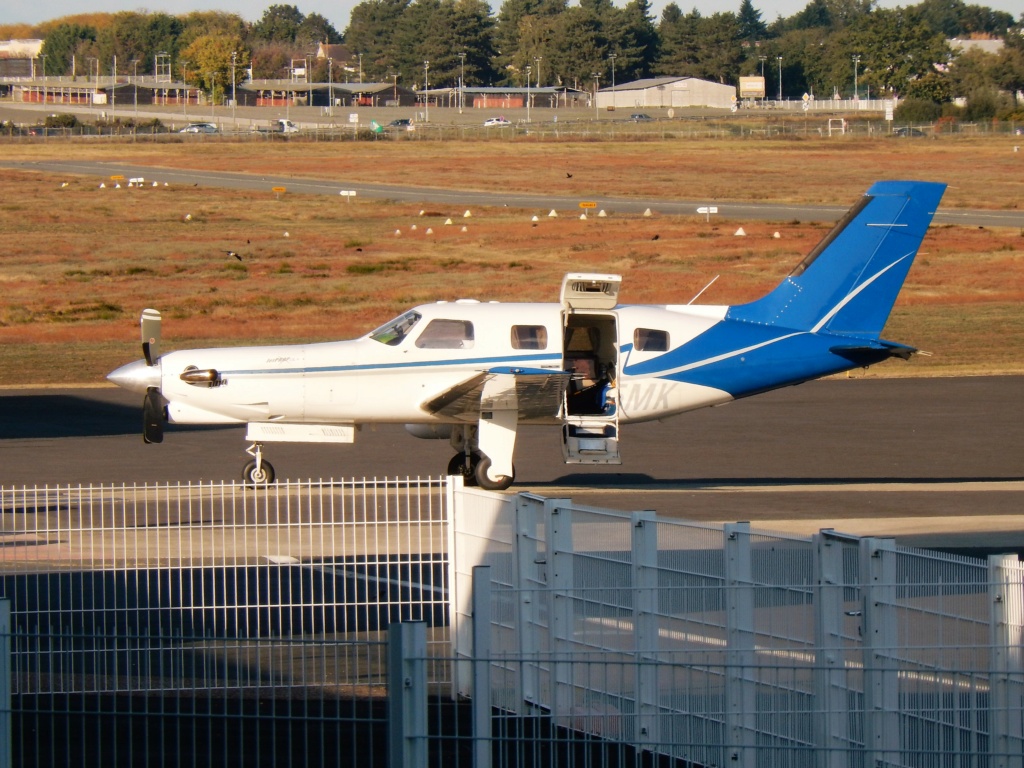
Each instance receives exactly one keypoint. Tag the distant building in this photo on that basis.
(19, 58)
(986, 45)
(666, 92)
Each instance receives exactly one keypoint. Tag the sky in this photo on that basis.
(337, 11)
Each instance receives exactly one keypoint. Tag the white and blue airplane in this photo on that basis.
(473, 372)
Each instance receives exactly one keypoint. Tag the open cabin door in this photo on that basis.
(590, 348)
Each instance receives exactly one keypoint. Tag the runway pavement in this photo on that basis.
(934, 462)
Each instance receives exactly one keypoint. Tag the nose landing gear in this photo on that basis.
(257, 471)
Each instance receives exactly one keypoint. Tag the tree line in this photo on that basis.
(830, 48)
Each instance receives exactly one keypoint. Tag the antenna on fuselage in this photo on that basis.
(703, 289)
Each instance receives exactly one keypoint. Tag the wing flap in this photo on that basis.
(534, 392)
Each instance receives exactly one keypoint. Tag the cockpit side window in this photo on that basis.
(446, 334)
(650, 340)
(394, 332)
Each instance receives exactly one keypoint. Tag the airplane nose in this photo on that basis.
(136, 377)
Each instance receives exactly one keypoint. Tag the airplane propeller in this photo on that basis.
(150, 335)
(153, 416)
(153, 405)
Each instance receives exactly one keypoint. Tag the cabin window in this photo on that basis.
(392, 333)
(446, 334)
(649, 340)
(529, 337)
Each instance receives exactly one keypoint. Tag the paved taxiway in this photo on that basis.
(934, 462)
(461, 198)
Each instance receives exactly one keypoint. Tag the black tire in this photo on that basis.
(485, 482)
(459, 466)
(264, 477)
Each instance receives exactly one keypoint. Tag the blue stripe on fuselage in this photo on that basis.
(480, 361)
(744, 359)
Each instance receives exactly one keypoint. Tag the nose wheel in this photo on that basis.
(258, 471)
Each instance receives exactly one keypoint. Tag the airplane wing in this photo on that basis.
(533, 392)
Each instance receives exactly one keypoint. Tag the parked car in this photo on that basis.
(400, 123)
(492, 121)
(640, 117)
(199, 128)
(905, 131)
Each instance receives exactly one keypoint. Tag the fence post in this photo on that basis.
(645, 625)
(6, 749)
(831, 690)
(1006, 633)
(740, 685)
(407, 695)
(482, 666)
(524, 544)
(881, 680)
(561, 608)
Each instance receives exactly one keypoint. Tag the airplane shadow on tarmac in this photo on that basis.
(47, 416)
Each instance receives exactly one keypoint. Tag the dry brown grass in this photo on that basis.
(80, 263)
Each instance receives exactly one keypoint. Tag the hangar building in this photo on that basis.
(666, 92)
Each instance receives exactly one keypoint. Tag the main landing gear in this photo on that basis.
(473, 465)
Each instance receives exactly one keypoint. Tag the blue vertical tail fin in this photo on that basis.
(848, 284)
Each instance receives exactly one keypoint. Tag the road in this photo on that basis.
(934, 462)
(299, 185)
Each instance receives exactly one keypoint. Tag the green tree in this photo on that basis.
(633, 39)
(163, 34)
(371, 32)
(751, 27)
(524, 31)
(315, 29)
(474, 36)
(680, 35)
(584, 49)
(279, 24)
(63, 44)
(720, 51)
(896, 47)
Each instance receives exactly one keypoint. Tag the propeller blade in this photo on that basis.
(150, 335)
(153, 416)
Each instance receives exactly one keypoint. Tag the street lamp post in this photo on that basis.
(184, 83)
(42, 59)
(135, 86)
(426, 96)
(95, 82)
(780, 78)
(612, 57)
(537, 60)
(113, 88)
(597, 83)
(856, 61)
(462, 81)
(528, 70)
(330, 85)
(234, 95)
(360, 68)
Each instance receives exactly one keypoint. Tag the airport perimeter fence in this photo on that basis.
(420, 623)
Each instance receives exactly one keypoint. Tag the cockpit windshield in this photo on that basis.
(393, 332)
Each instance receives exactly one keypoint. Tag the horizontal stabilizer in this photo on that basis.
(869, 354)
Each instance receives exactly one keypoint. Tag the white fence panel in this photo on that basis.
(720, 644)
